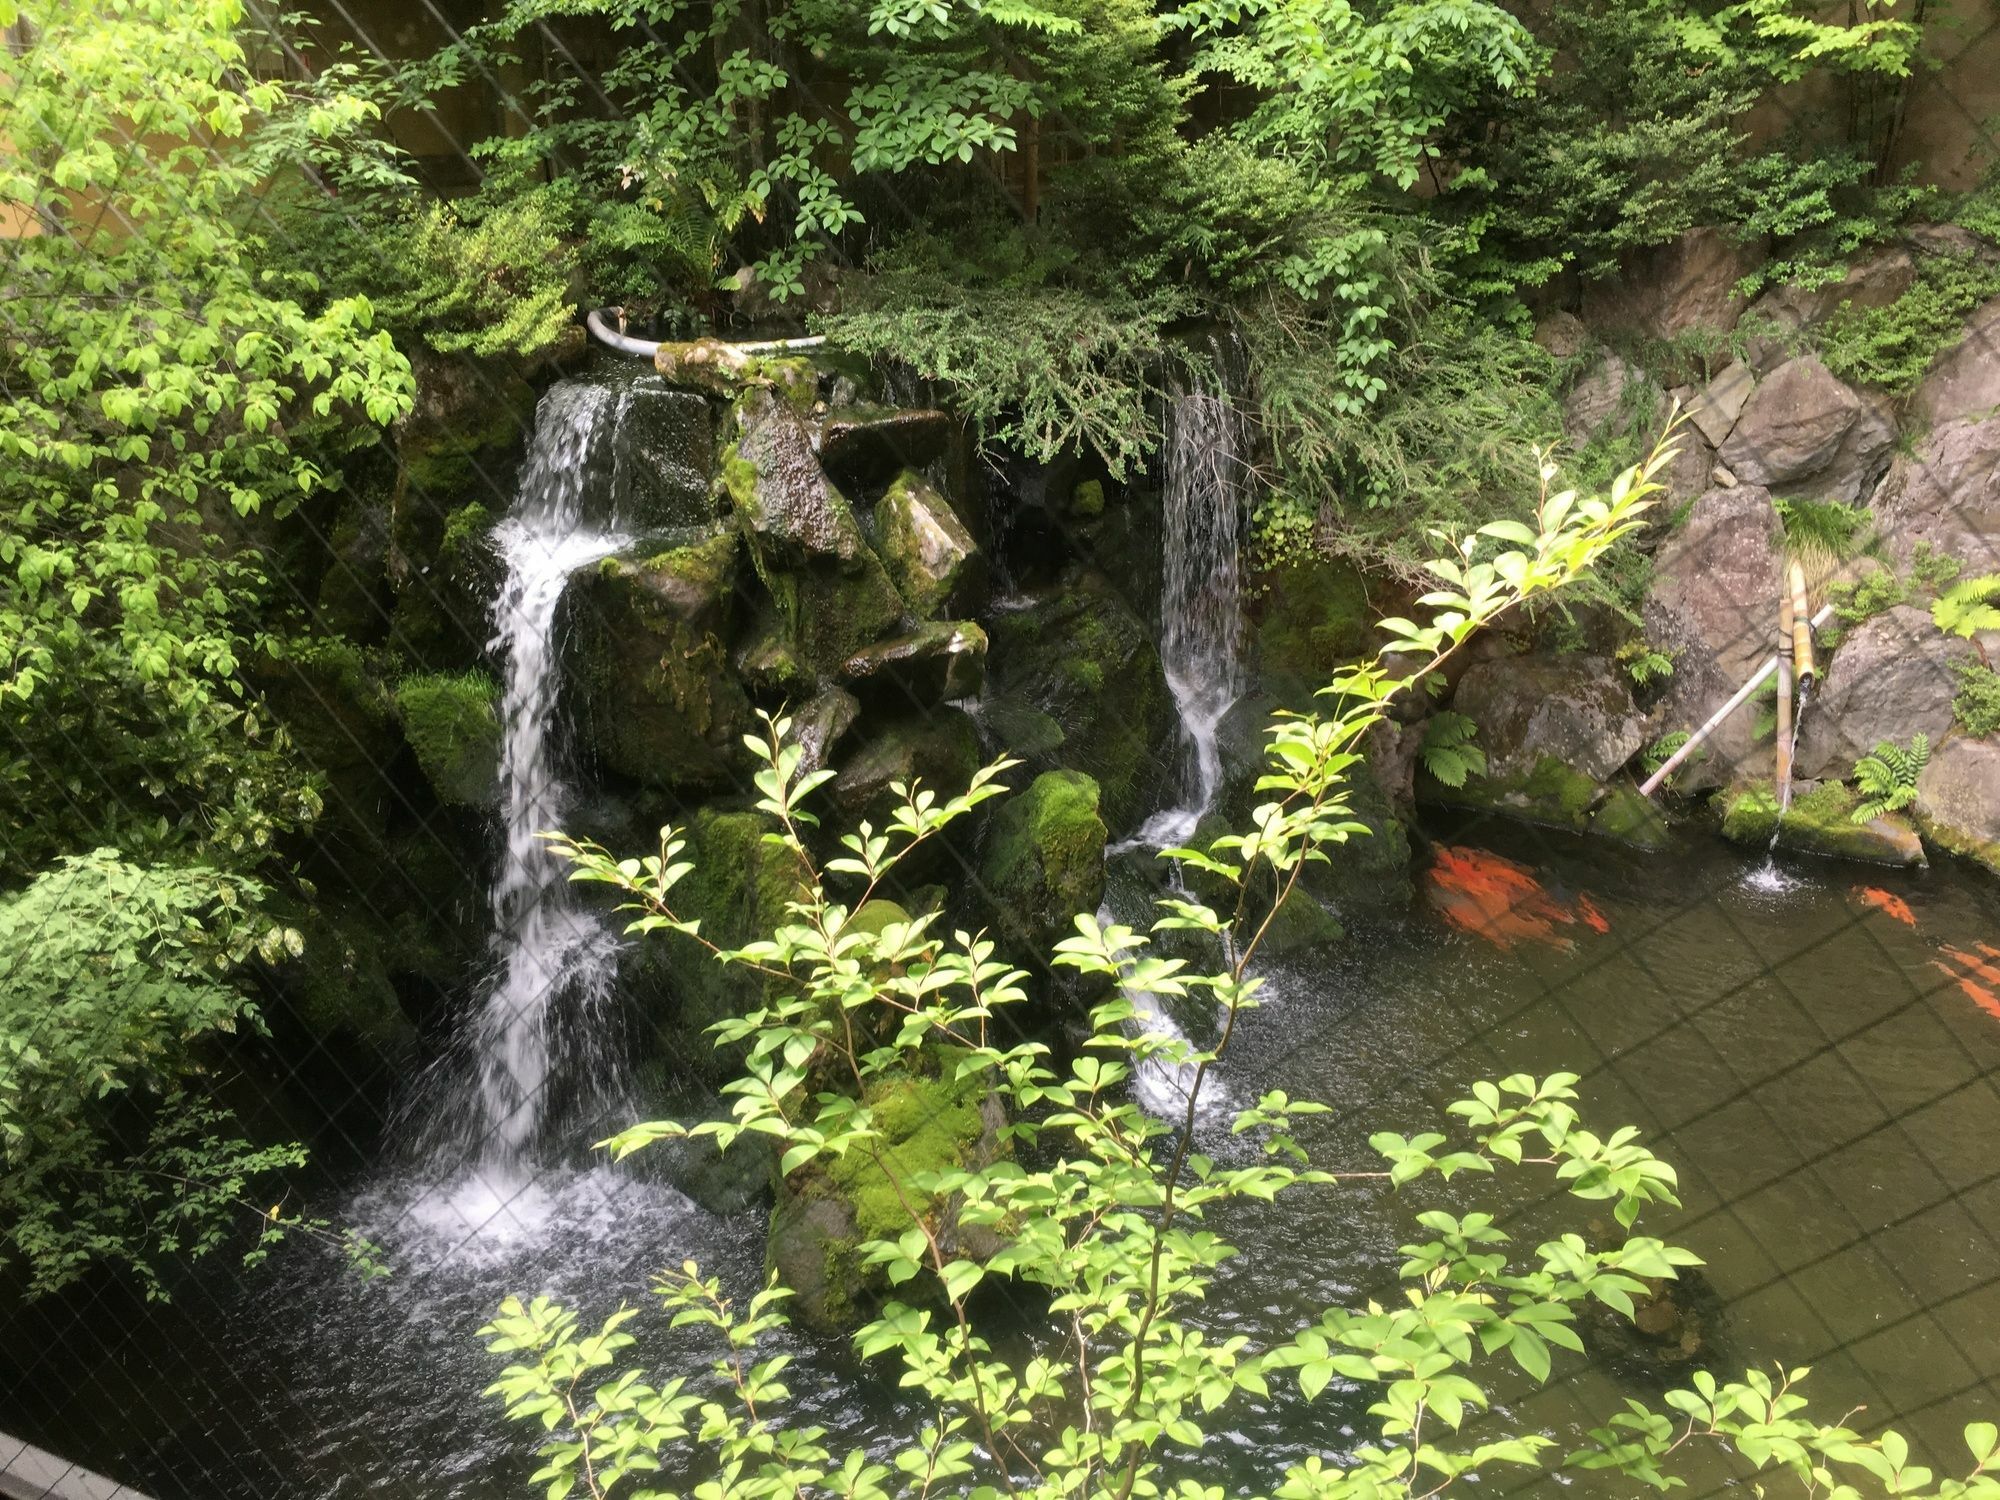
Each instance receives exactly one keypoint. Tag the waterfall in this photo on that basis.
(1201, 610)
(554, 959)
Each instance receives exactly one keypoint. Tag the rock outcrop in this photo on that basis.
(1947, 494)
(1958, 799)
(1575, 710)
(1044, 858)
(1890, 679)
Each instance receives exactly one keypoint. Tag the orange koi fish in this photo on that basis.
(1978, 994)
(1495, 899)
(1971, 965)
(1887, 903)
(1594, 919)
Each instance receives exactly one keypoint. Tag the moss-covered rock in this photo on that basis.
(938, 747)
(928, 1122)
(738, 890)
(1301, 925)
(1081, 656)
(866, 446)
(1819, 821)
(646, 654)
(452, 721)
(1631, 819)
(1547, 792)
(340, 996)
(1044, 857)
(935, 663)
(929, 553)
(1314, 617)
(831, 592)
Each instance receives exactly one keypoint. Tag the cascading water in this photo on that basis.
(1201, 609)
(555, 960)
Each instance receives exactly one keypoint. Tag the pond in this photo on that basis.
(1814, 1047)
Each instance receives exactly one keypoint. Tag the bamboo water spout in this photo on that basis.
(1788, 637)
(1715, 721)
(1803, 625)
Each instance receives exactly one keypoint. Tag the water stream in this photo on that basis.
(1201, 609)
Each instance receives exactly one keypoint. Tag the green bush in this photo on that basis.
(1892, 348)
(1976, 705)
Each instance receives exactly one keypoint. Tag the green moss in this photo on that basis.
(1821, 821)
(1087, 499)
(1301, 925)
(452, 722)
(464, 530)
(1315, 617)
(1044, 858)
(927, 1124)
(1631, 819)
(1551, 792)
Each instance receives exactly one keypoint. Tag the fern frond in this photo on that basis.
(1886, 777)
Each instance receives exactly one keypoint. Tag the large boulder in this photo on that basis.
(930, 555)
(1946, 494)
(829, 1208)
(1690, 285)
(663, 451)
(1714, 607)
(832, 594)
(1720, 402)
(1958, 799)
(1573, 709)
(1792, 425)
(452, 723)
(937, 746)
(1079, 654)
(1891, 678)
(1044, 857)
(1965, 381)
(646, 656)
(935, 663)
(1315, 617)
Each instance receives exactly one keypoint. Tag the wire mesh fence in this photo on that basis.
(1813, 1044)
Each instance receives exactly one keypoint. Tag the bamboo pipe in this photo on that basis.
(1742, 695)
(1802, 629)
(1787, 637)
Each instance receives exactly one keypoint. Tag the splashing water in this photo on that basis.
(555, 960)
(1201, 610)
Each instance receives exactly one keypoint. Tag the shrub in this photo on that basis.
(1976, 704)
(1892, 348)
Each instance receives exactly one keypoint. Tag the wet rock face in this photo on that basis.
(1890, 679)
(929, 553)
(934, 664)
(1714, 607)
(865, 447)
(1573, 709)
(646, 657)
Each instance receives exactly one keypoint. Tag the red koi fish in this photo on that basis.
(1594, 919)
(1495, 899)
(1886, 902)
(1971, 965)
(1978, 994)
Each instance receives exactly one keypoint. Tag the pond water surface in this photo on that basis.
(1815, 1047)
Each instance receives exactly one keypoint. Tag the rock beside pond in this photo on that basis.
(1044, 858)
(1820, 821)
(1891, 678)
(1575, 710)
(1958, 799)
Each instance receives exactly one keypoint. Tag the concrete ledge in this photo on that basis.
(28, 1473)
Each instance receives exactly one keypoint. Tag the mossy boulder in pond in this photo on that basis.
(1044, 857)
(1079, 654)
(646, 655)
(928, 1122)
(934, 663)
(931, 556)
(1819, 821)
(452, 722)
(1546, 791)
(1314, 617)
(1629, 818)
